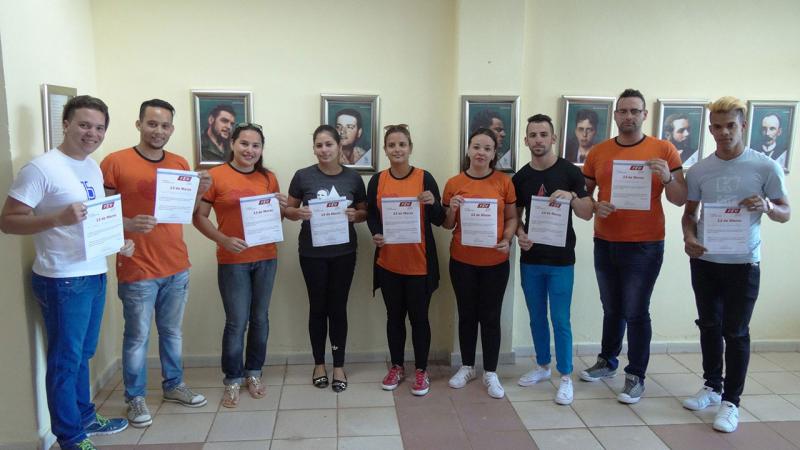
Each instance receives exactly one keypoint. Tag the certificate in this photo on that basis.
(548, 221)
(102, 229)
(401, 220)
(329, 224)
(479, 222)
(726, 229)
(261, 219)
(176, 192)
(631, 184)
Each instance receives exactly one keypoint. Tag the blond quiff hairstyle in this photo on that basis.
(727, 104)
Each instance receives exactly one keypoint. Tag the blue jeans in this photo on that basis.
(245, 289)
(166, 297)
(626, 273)
(72, 309)
(539, 282)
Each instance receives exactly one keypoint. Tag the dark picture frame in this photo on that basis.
(683, 123)
(496, 112)
(54, 98)
(770, 129)
(356, 117)
(596, 116)
(216, 113)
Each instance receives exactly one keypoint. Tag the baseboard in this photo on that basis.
(503, 358)
(592, 349)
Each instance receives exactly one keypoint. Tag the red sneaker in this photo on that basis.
(393, 378)
(422, 384)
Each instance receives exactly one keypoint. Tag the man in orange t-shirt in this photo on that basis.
(629, 243)
(156, 279)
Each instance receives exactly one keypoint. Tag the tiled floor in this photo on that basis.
(296, 415)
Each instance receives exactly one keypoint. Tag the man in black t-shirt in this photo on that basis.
(555, 187)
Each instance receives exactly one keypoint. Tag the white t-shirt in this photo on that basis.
(48, 184)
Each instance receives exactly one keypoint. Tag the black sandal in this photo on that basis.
(338, 385)
(320, 382)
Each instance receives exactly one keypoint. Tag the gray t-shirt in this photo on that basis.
(311, 183)
(714, 180)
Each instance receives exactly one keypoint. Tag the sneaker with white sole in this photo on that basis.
(633, 390)
(564, 394)
(493, 386)
(185, 396)
(393, 378)
(704, 398)
(534, 376)
(103, 426)
(598, 371)
(138, 414)
(422, 383)
(462, 377)
(727, 418)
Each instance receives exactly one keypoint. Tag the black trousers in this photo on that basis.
(725, 295)
(479, 294)
(406, 295)
(328, 282)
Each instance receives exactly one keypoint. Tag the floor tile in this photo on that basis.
(793, 399)
(757, 436)
(498, 416)
(506, 440)
(473, 392)
(691, 437)
(605, 413)
(365, 372)
(664, 363)
(707, 415)
(692, 361)
(309, 423)
(306, 396)
(242, 426)
(663, 411)
(770, 408)
(129, 436)
(183, 446)
(176, 428)
(368, 422)
(539, 415)
(299, 374)
(273, 375)
(583, 390)
(543, 390)
(753, 387)
(304, 444)
(789, 430)
(203, 377)
(213, 395)
(760, 364)
(677, 384)
(652, 387)
(429, 426)
(565, 439)
(439, 393)
(369, 442)
(778, 382)
(362, 395)
(786, 360)
(625, 438)
(247, 403)
(240, 445)
(115, 405)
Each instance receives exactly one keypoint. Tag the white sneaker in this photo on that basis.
(564, 394)
(704, 398)
(534, 376)
(727, 418)
(460, 379)
(493, 386)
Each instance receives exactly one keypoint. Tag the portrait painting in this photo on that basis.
(499, 114)
(216, 114)
(355, 118)
(770, 126)
(683, 123)
(586, 121)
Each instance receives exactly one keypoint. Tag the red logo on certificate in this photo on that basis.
(184, 178)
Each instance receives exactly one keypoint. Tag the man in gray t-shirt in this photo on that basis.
(726, 285)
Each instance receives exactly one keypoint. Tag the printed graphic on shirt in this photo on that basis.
(330, 193)
(90, 193)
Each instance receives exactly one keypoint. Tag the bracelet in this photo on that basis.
(671, 179)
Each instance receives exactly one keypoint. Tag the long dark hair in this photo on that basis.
(487, 132)
(259, 165)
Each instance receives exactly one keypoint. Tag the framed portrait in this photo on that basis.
(54, 98)
(356, 118)
(216, 114)
(498, 113)
(770, 129)
(683, 123)
(586, 121)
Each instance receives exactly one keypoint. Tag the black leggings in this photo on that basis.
(406, 294)
(328, 282)
(479, 294)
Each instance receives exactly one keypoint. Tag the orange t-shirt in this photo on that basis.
(496, 185)
(405, 259)
(228, 185)
(629, 225)
(161, 252)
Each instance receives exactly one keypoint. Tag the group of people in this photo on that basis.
(46, 200)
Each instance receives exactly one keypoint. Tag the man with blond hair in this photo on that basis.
(726, 285)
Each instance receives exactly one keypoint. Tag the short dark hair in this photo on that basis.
(541, 118)
(222, 107)
(477, 132)
(87, 102)
(773, 115)
(587, 114)
(628, 93)
(484, 119)
(327, 129)
(155, 103)
(350, 112)
(669, 123)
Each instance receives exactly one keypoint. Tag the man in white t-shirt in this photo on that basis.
(47, 201)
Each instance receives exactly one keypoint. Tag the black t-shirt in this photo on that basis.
(528, 182)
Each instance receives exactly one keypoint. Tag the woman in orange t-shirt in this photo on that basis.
(406, 273)
(479, 273)
(245, 274)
